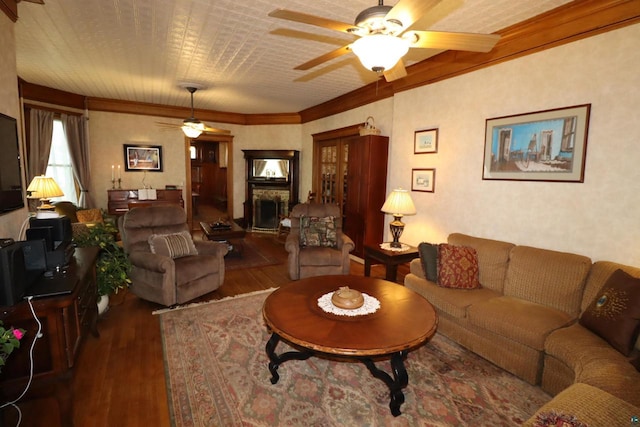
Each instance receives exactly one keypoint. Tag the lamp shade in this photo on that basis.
(44, 187)
(380, 52)
(399, 203)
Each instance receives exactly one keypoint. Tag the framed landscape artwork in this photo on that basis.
(546, 145)
(425, 141)
(423, 180)
(143, 158)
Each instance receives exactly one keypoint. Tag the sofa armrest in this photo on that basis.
(588, 405)
(415, 267)
(211, 248)
(152, 262)
(346, 244)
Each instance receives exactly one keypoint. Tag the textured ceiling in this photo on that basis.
(141, 50)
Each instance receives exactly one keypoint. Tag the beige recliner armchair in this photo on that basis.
(310, 246)
(168, 266)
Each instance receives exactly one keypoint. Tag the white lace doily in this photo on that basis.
(387, 247)
(371, 305)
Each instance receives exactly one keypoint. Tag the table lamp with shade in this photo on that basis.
(398, 203)
(43, 188)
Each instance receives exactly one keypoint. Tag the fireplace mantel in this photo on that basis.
(280, 182)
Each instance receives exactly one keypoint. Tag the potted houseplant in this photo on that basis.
(9, 341)
(113, 266)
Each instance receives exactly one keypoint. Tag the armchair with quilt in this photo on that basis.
(316, 244)
(168, 266)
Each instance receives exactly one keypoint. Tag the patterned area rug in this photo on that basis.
(217, 375)
(251, 257)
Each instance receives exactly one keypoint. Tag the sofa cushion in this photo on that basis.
(576, 346)
(615, 314)
(429, 259)
(493, 258)
(318, 232)
(176, 245)
(457, 267)
(551, 278)
(522, 321)
(320, 256)
(451, 301)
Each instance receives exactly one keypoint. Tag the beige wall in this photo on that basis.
(108, 132)
(598, 218)
(10, 223)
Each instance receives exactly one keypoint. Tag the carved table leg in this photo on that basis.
(397, 383)
(276, 360)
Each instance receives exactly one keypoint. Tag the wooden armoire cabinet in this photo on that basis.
(351, 171)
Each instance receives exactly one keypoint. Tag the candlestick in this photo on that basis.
(113, 184)
(119, 176)
(113, 176)
(119, 184)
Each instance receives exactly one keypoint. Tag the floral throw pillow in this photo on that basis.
(458, 267)
(554, 419)
(175, 245)
(615, 314)
(318, 232)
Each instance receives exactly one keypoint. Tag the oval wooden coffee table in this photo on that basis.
(404, 321)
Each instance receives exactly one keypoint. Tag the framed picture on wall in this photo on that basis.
(423, 180)
(548, 145)
(425, 141)
(143, 158)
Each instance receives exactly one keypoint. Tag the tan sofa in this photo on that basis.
(524, 318)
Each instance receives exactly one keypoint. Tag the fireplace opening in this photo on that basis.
(266, 214)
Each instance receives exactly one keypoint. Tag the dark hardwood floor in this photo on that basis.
(119, 377)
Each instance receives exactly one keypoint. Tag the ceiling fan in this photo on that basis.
(191, 126)
(384, 37)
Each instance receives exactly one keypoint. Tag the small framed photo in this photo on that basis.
(423, 180)
(425, 141)
(143, 158)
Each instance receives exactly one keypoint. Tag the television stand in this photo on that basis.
(66, 320)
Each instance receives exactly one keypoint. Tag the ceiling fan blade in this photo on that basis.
(452, 41)
(397, 72)
(169, 125)
(409, 11)
(324, 58)
(32, 1)
(216, 131)
(304, 18)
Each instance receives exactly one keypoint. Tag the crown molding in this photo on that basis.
(10, 8)
(568, 23)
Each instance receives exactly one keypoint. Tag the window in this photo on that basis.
(59, 165)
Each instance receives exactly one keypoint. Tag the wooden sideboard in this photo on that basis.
(66, 320)
(120, 201)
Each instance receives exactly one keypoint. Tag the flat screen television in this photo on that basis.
(11, 194)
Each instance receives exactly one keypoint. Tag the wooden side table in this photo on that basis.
(391, 259)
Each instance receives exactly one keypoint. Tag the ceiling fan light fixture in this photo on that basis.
(192, 128)
(380, 52)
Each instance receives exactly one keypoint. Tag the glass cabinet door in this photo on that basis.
(331, 164)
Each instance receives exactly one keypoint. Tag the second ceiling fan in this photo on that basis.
(191, 126)
(384, 36)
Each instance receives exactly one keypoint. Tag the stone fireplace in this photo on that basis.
(268, 205)
(272, 187)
